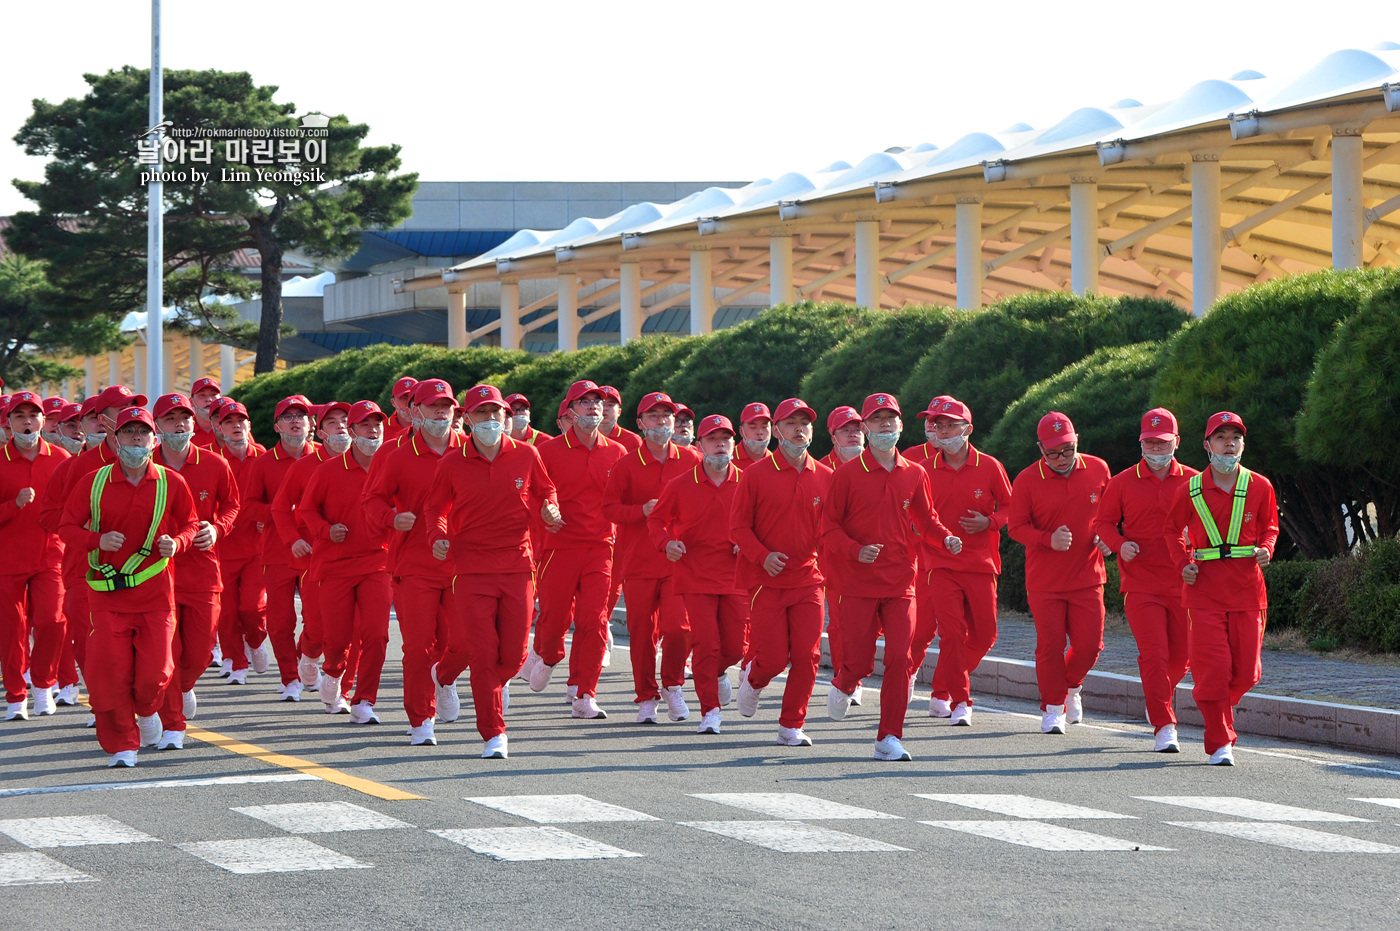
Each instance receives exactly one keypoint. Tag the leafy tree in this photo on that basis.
(876, 358)
(36, 321)
(1253, 354)
(94, 176)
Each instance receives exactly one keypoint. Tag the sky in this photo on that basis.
(663, 90)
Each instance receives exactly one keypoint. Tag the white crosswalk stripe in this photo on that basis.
(1288, 835)
(187, 783)
(1388, 802)
(1041, 836)
(560, 809)
(271, 855)
(1022, 806)
(36, 869)
(79, 831)
(1246, 808)
(791, 836)
(321, 817)
(523, 844)
(791, 806)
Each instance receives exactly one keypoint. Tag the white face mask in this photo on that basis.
(682, 439)
(368, 445)
(793, 449)
(756, 448)
(951, 444)
(1225, 464)
(176, 442)
(1158, 462)
(338, 443)
(718, 462)
(294, 442)
(26, 440)
(884, 442)
(660, 435)
(94, 440)
(488, 432)
(847, 453)
(73, 446)
(520, 422)
(134, 457)
(588, 423)
(437, 429)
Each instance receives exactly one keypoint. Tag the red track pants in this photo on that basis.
(1078, 616)
(656, 613)
(1224, 649)
(1159, 626)
(785, 628)
(242, 609)
(78, 620)
(861, 621)
(191, 649)
(130, 668)
(31, 603)
(573, 589)
(965, 606)
(356, 610)
(491, 622)
(717, 636)
(424, 608)
(281, 583)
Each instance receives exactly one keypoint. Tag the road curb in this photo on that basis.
(1350, 727)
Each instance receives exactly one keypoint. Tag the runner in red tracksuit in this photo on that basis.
(401, 421)
(520, 429)
(129, 542)
(243, 605)
(655, 611)
(1053, 505)
(847, 441)
(31, 584)
(960, 589)
(922, 599)
(610, 428)
(214, 491)
(1130, 520)
(573, 579)
(349, 563)
(203, 393)
(775, 521)
(478, 513)
(1226, 602)
(755, 433)
(70, 436)
(876, 505)
(689, 525)
(281, 572)
(395, 496)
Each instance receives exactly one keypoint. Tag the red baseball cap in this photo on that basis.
(879, 402)
(323, 409)
(933, 406)
(70, 412)
(578, 389)
(948, 407)
(361, 411)
(53, 405)
(89, 405)
(118, 396)
(611, 393)
(169, 402)
(683, 412)
(654, 400)
(24, 397)
(216, 408)
(291, 401)
(482, 395)
(755, 411)
(714, 422)
(205, 383)
(137, 414)
(840, 417)
(1158, 424)
(518, 397)
(1217, 420)
(432, 389)
(1054, 430)
(231, 408)
(794, 406)
(404, 386)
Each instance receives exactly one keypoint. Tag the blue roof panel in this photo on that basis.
(446, 242)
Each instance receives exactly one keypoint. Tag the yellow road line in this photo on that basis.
(375, 789)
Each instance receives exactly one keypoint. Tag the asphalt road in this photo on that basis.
(773, 853)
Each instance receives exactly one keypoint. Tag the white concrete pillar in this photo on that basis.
(67, 388)
(1348, 224)
(89, 376)
(969, 247)
(510, 315)
(868, 264)
(1084, 235)
(630, 287)
(780, 290)
(114, 369)
(457, 320)
(1205, 231)
(568, 312)
(196, 360)
(702, 295)
(228, 369)
(138, 351)
(167, 367)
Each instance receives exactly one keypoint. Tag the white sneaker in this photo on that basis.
(363, 713)
(646, 712)
(1165, 741)
(837, 703)
(1225, 756)
(189, 704)
(891, 749)
(570, 694)
(309, 670)
(1052, 720)
(962, 715)
(91, 722)
(17, 710)
(726, 690)
(290, 692)
(341, 705)
(68, 696)
(172, 740)
(216, 657)
(150, 728)
(748, 696)
(238, 676)
(709, 724)
(505, 697)
(126, 758)
(28, 681)
(676, 708)
(1074, 707)
(449, 703)
(43, 702)
(540, 672)
(856, 695)
(495, 748)
(793, 737)
(330, 689)
(422, 735)
(225, 668)
(586, 706)
(260, 657)
(939, 708)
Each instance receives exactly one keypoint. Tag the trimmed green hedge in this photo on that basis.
(1351, 600)
(669, 357)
